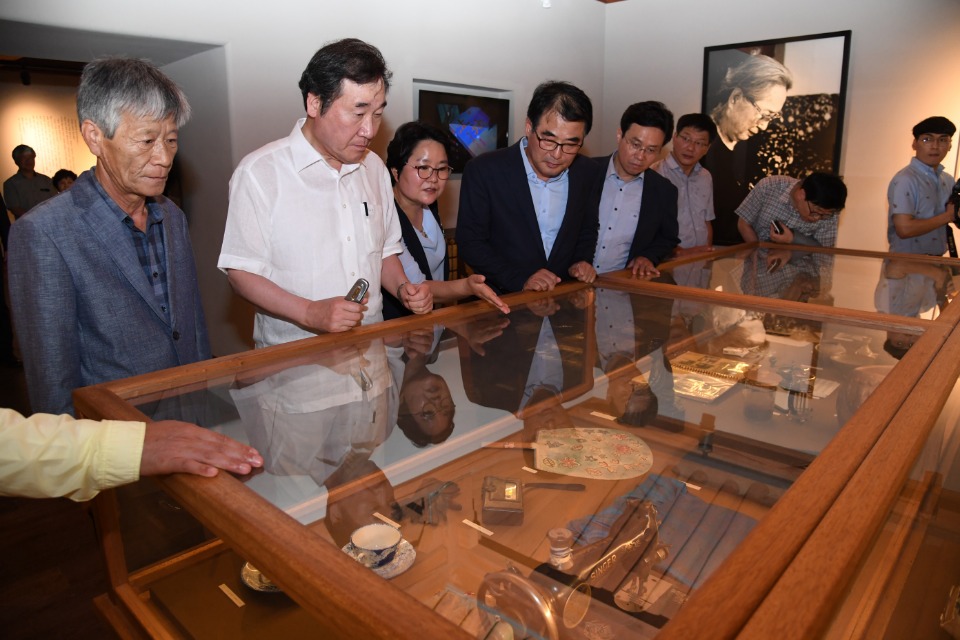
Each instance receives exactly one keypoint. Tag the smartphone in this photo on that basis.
(774, 265)
(778, 226)
(358, 290)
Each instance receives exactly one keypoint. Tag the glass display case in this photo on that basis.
(628, 459)
(906, 585)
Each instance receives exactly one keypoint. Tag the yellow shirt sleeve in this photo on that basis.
(47, 456)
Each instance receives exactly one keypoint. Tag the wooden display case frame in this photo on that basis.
(783, 581)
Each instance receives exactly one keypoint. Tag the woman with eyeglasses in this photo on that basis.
(417, 158)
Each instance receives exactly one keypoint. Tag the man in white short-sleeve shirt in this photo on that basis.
(311, 213)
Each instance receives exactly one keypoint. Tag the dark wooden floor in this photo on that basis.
(50, 566)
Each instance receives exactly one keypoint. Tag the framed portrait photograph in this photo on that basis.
(778, 106)
(477, 118)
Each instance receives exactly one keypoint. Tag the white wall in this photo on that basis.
(904, 65)
(55, 104)
(903, 68)
(508, 44)
(206, 162)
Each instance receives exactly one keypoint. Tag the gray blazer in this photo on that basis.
(82, 307)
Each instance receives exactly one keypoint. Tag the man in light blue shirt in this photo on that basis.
(918, 212)
(695, 133)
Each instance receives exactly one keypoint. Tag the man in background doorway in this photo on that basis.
(26, 188)
(919, 215)
(638, 206)
(695, 133)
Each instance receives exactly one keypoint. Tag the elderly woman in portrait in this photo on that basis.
(750, 98)
(419, 168)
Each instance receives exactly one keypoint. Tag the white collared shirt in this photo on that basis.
(308, 228)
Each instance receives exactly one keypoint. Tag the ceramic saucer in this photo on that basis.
(402, 561)
(252, 577)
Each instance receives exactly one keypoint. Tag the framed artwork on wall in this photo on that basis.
(779, 107)
(477, 118)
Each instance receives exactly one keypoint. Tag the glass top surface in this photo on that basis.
(906, 584)
(669, 426)
(898, 286)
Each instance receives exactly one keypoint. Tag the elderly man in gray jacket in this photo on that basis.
(102, 279)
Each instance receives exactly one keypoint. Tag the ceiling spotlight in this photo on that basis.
(546, 4)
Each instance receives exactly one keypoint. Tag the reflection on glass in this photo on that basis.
(632, 332)
(324, 420)
(619, 379)
(907, 287)
(539, 354)
(426, 404)
(788, 275)
(913, 289)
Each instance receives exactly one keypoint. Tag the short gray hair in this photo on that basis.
(754, 75)
(113, 85)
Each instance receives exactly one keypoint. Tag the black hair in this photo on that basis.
(347, 59)
(641, 408)
(648, 114)
(415, 434)
(825, 190)
(937, 125)
(570, 103)
(699, 122)
(893, 350)
(406, 139)
(60, 175)
(19, 150)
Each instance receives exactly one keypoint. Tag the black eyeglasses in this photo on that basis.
(430, 410)
(816, 211)
(765, 117)
(425, 171)
(551, 145)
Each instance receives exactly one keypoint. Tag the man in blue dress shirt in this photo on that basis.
(918, 214)
(638, 206)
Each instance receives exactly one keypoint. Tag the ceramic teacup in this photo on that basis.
(374, 545)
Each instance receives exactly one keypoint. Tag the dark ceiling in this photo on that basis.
(28, 68)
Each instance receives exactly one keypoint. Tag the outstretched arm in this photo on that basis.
(171, 446)
(46, 456)
(474, 285)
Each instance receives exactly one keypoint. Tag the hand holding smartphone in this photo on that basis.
(357, 291)
(778, 227)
